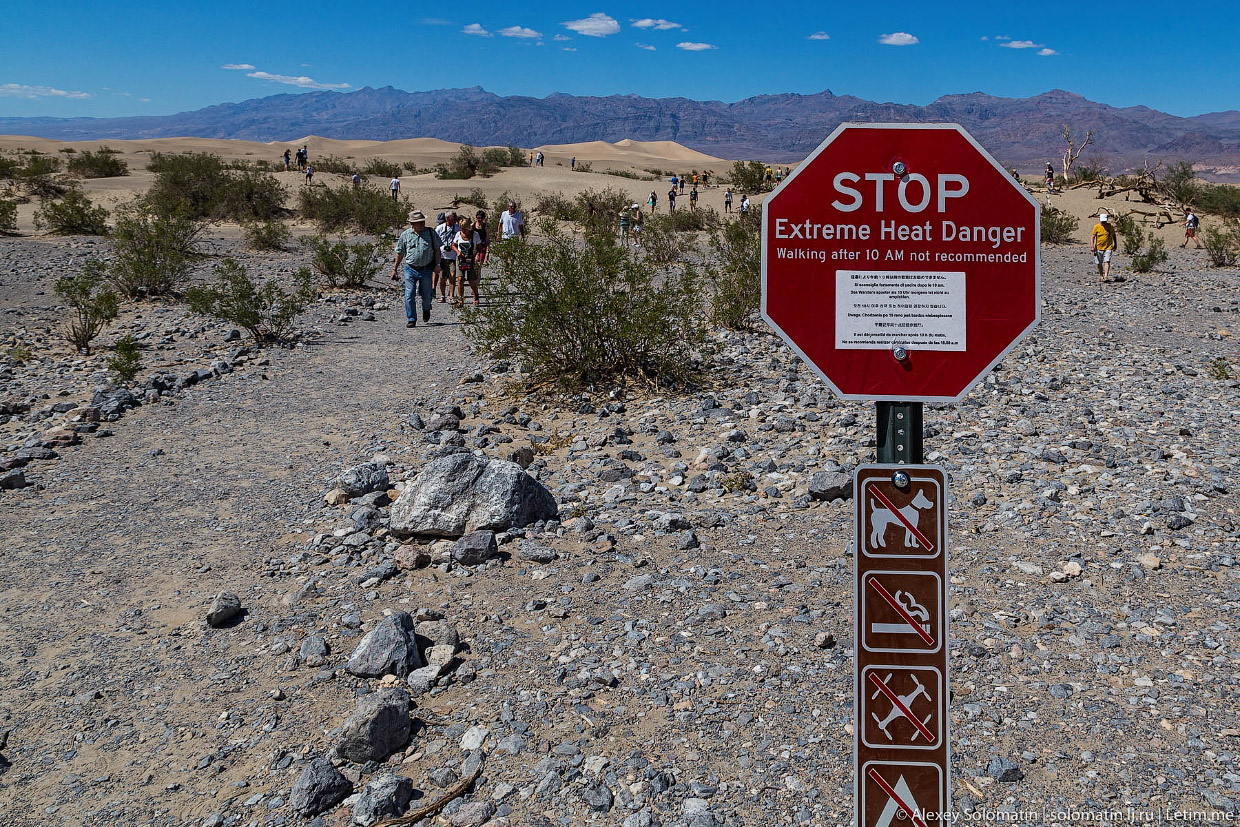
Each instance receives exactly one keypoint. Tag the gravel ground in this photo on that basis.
(675, 649)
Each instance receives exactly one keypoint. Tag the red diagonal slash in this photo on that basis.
(895, 700)
(887, 788)
(900, 610)
(921, 538)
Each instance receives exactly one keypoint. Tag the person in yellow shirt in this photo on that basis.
(1101, 243)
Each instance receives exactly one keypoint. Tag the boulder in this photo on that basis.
(377, 728)
(475, 548)
(831, 485)
(388, 649)
(225, 607)
(319, 788)
(385, 796)
(460, 493)
(363, 479)
(12, 480)
(412, 557)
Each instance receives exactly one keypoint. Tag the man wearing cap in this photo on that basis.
(447, 231)
(1101, 243)
(419, 248)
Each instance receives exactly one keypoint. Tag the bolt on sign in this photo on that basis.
(903, 765)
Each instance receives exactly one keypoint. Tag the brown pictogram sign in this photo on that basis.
(901, 679)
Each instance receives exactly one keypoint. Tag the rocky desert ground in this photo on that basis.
(219, 603)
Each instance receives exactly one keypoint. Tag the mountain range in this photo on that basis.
(1020, 132)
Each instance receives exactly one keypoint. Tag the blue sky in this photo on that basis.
(76, 58)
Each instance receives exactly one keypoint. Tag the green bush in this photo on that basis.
(517, 157)
(267, 235)
(1179, 183)
(1058, 226)
(583, 166)
(736, 274)
(749, 177)
(37, 164)
(462, 167)
(126, 359)
(1222, 245)
(93, 309)
(367, 209)
(687, 221)
(335, 165)
(575, 314)
(153, 251)
(342, 264)
(1129, 233)
(1152, 257)
(1220, 199)
(72, 215)
(268, 313)
(8, 216)
(599, 211)
(199, 185)
(9, 167)
(102, 163)
(382, 167)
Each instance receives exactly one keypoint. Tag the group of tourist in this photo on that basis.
(446, 259)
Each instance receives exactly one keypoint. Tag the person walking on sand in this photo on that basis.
(638, 222)
(484, 242)
(671, 200)
(572, 163)
(287, 156)
(624, 227)
(511, 222)
(1191, 222)
(465, 244)
(654, 202)
(394, 186)
(1101, 243)
(744, 204)
(693, 200)
(418, 249)
(1050, 177)
(727, 200)
(309, 174)
(447, 260)
(675, 180)
(357, 180)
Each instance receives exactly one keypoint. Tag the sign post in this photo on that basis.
(901, 262)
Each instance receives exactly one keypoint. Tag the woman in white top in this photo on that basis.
(466, 245)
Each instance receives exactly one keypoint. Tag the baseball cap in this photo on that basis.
(1102, 216)
(416, 215)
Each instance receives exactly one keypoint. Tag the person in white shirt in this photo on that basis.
(465, 245)
(447, 264)
(511, 222)
(395, 188)
(744, 204)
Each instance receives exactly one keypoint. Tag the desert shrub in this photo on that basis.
(1129, 233)
(268, 313)
(1155, 255)
(267, 235)
(492, 159)
(8, 216)
(1220, 199)
(1179, 183)
(343, 264)
(102, 163)
(577, 314)
(1222, 245)
(1094, 170)
(74, 214)
(462, 167)
(1218, 368)
(199, 185)
(686, 221)
(367, 209)
(736, 275)
(477, 198)
(126, 359)
(749, 176)
(36, 164)
(516, 157)
(413, 169)
(382, 167)
(9, 167)
(555, 205)
(583, 166)
(153, 251)
(599, 211)
(660, 245)
(1058, 226)
(93, 309)
(335, 165)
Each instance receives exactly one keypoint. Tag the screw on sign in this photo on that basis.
(900, 687)
(901, 261)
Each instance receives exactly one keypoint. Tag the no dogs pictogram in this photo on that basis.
(902, 522)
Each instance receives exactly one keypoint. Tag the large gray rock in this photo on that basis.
(225, 607)
(475, 548)
(460, 493)
(377, 728)
(386, 796)
(388, 649)
(319, 787)
(831, 485)
(363, 479)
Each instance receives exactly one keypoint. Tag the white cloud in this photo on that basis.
(984, 38)
(519, 31)
(1003, 37)
(596, 25)
(240, 66)
(819, 36)
(1021, 44)
(657, 24)
(561, 37)
(644, 46)
(475, 29)
(898, 39)
(21, 90)
(570, 48)
(1047, 52)
(695, 47)
(303, 81)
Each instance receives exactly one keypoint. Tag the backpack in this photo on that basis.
(1193, 221)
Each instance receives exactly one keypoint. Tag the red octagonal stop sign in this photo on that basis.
(901, 240)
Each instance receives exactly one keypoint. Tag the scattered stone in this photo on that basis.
(363, 479)
(460, 493)
(831, 485)
(1004, 770)
(475, 548)
(319, 788)
(385, 796)
(378, 727)
(224, 608)
(387, 649)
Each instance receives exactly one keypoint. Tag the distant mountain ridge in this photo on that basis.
(782, 127)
